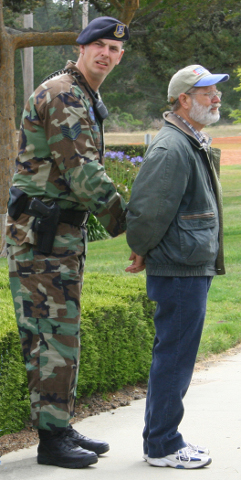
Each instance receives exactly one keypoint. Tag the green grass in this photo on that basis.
(215, 131)
(222, 328)
(108, 256)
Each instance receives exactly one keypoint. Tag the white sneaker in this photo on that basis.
(198, 448)
(184, 458)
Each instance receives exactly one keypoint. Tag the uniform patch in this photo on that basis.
(71, 133)
(91, 114)
(119, 31)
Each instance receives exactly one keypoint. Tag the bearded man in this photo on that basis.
(175, 231)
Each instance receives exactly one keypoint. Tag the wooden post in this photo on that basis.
(85, 14)
(28, 74)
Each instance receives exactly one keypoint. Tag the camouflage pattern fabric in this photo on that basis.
(46, 293)
(60, 148)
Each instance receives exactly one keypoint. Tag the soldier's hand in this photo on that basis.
(138, 263)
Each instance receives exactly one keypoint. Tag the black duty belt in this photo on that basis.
(72, 217)
(78, 219)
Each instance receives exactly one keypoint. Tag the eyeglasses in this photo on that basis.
(211, 95)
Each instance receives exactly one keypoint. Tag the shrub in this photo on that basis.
(116, 342)
(116, 333)
(96, 231)
(118, 120)
(122, 169)
(131, 150)
(14, 398)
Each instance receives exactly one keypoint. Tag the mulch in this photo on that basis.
(88, 406)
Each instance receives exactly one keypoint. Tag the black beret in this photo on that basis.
(103, 27)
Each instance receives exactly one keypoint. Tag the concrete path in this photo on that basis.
(213, 418)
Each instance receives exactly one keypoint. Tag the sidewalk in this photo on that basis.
(213, 418)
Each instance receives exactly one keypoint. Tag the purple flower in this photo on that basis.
(110, 154)
(120, 156)
(136, 160)
(115, 155)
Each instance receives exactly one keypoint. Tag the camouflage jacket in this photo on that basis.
(60, 156)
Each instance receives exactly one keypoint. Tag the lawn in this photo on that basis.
(223, 321)
(222, 328)
(120, 138)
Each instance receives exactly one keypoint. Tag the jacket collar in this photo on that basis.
(171, 118)
(70, 67)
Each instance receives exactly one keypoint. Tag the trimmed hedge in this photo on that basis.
(128, 149)
(118, 317)
(116, 343)
(14, 397)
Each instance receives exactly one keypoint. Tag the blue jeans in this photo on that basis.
(179, 318)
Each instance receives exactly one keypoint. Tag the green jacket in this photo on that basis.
(175, 211)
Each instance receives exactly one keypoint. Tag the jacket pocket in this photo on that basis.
(41, 288)
(198, 233)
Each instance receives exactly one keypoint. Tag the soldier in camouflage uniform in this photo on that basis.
(60, 163)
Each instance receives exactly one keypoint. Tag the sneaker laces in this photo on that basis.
(198, 449)
(186, 454)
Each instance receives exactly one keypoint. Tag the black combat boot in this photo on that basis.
(57, 448)
(96, 446)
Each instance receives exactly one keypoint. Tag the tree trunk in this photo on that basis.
(8, 145)
(7, 131)
(10, 40)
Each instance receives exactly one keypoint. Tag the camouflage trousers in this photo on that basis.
(46, 295)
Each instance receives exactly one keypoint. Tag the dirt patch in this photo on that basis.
(88, 406)
(230, 149)
(231, 157)
(227, 140)
(97, 403)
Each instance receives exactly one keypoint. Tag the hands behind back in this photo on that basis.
(138, 263)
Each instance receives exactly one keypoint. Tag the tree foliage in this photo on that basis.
(211, 38)
(165, 35)
(236, 113)
(24, 6)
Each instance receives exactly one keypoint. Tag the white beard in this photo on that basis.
(202, 114)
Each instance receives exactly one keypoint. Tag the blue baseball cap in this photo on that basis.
(192, 76)
(209, 78)
(103, 27)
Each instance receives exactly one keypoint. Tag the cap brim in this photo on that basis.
(212, 80)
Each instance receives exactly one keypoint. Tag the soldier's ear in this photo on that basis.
(120, 57)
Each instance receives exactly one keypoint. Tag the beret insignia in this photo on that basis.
(119, 31)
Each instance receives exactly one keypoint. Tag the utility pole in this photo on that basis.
(28, 79)
(85, 14)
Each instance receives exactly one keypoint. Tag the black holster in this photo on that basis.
(46, 223)
(47, 217)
